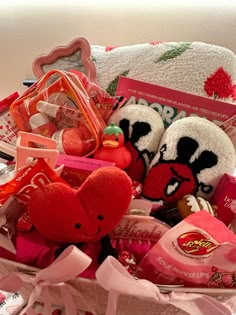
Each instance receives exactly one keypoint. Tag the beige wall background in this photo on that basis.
(30, 28)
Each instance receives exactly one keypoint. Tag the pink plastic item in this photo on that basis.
(59, 54)
(24, 151)
(200, 251)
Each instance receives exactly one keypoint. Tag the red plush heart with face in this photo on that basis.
(63, 214)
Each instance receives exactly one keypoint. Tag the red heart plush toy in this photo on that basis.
(63, 214)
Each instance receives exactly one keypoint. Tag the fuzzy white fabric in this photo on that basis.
(180, 66)
(209, 137)
(146, 114)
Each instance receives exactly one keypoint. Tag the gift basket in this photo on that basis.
(105, 210)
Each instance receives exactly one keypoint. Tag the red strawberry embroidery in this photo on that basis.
(234, 92)
(109, 48)
(155, 42)
(219, 84)
(2, 297)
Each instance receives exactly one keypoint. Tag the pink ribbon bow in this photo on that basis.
(66, 267)
(120, 281)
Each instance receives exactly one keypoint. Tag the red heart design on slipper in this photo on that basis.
(63, 214)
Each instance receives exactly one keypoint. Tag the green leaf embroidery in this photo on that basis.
(175, 52)
(111, 89)
(93, 58)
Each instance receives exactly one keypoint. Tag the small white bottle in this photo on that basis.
(41, 124)
(48, 108)
(65, 116)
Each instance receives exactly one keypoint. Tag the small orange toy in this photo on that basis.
(113, 149)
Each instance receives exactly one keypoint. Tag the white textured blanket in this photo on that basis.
(198, 68)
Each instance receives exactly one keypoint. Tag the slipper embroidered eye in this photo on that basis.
(193, 155)
(143, 128)
(63, 214)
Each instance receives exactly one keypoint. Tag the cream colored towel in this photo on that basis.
(198, 68)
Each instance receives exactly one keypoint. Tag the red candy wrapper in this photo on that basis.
(137, 189)
(24, 223)
(224, 198)
(34, 175)
(128, 261)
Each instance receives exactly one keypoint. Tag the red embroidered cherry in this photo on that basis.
(219, 84)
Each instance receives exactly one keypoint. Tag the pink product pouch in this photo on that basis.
(137, 234)
(200, 251)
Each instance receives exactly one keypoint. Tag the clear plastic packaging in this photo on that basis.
(58, 106)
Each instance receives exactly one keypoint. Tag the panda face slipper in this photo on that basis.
(143, 129)
(193, 155)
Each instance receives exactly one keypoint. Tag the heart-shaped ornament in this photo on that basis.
(63, 214)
